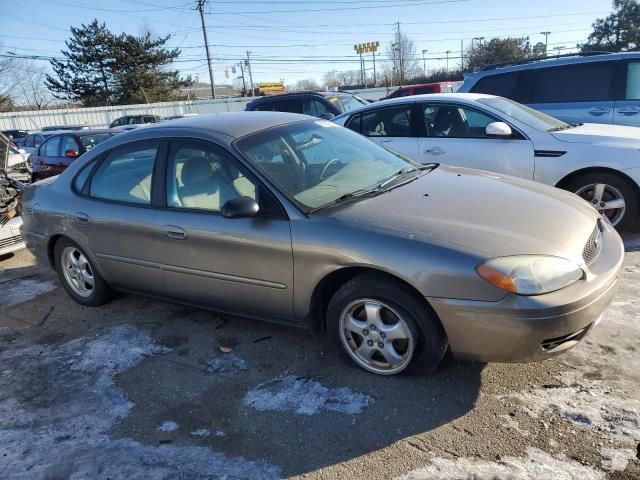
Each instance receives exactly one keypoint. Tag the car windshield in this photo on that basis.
(530, 117)
(90, 141)
(347, 103)
(317, 162)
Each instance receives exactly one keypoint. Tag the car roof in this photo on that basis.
(233, 125)
(298, 94)
(78, 133)
(465, 97)
(570, 59)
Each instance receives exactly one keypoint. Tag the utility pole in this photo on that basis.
(448, 52)
(244, 84)
(424, 62)
(250, 74)
(461, 54)
(546, 40)
(200, 7)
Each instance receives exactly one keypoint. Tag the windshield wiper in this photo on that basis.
(562, 127)
(363, 192)
(402, 172)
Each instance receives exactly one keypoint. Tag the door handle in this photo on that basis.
(434, 151)
(629, 110)
(176, 233)
(599, 111)
(81, 218)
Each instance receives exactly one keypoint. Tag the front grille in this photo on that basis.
(7, 242)
(593, 246)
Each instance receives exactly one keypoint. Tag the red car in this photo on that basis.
(59, 151)
(422, 88)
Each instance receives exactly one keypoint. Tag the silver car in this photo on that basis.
(296, 220)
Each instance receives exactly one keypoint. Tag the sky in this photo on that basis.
(299, 39)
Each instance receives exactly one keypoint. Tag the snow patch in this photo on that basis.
(227, 363)
(536, 465)
(19, 291)
(59, 403)
(614, 459)
(304, 397)
(168, 426)
(512, 424)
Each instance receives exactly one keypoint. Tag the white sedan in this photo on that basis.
(601, 163)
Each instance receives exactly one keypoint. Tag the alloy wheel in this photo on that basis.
(77, 272)
(606, 199)
(376, 336)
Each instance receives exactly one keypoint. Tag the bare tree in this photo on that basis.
(32, 87)
(403, 59)
(306, 84)
(335, 78)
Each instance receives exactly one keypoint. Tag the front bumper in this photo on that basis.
(528, 328)
(10, 236)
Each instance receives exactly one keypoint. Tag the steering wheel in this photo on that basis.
(326, 166)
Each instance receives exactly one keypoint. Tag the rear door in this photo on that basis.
(455, 135)
(394, 127)
(627, 110)
(575, 93)
(118, 218)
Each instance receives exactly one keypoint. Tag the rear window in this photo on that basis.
(633, 81)
(423, 90)
(573, 83)
(291, 106)
(90, 141)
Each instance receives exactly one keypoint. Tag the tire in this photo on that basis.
(614, 186)
(83, 283)
(400, 313)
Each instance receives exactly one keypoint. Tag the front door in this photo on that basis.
(393, 127)
(242, 265)
(455, 135)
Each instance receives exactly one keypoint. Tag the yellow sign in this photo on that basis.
(271, 86)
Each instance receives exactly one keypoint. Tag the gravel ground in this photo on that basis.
(145, 389)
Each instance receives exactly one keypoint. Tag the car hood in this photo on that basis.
(484, 213)
(600, 133)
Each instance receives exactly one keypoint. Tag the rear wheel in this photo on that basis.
(79, 276)
(613, 196)
(381, 326)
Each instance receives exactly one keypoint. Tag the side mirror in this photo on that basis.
(498, 130)
(327, 116)
(71, 153)
(240, 207)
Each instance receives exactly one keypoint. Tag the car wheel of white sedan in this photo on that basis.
(381, 326)
(78, 274)
(610, 194)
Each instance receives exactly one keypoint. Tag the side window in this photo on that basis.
(117, 122)
(573, 83)
(291, 106)
(423, 90)
(50, 148)
(633, 81)
(264, 107)
(125, 175)
(503, 85)
(354, 123)
(69, 143)
(204, 177)
(455, 122)
(315, 108)
(81, 178)
(38, 140)
(388, 122)
(28, 142)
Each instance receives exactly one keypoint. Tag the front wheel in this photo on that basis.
(79, 276)
(613, 196)
(382, 327)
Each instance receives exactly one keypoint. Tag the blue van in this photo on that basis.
(576, 88)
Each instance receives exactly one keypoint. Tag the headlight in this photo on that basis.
(530, 274)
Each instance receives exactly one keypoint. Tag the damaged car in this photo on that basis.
(293, 219)
(10, 219)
